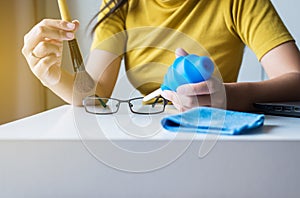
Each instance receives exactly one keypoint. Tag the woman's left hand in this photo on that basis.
(207, 93)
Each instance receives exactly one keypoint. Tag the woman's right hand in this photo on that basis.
(43, 46)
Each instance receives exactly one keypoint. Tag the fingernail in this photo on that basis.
(180, 52)
(71, 25)
(70, 35)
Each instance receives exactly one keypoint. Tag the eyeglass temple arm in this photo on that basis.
(156, 100)
(101, 101)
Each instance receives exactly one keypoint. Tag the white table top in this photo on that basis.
(73, 123)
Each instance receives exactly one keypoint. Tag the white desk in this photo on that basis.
(65, 152)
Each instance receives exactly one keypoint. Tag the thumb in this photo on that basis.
(180, 52)
(76, 22)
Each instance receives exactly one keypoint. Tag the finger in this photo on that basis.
(77, 24)
(43, 66)
(184, 103)
(203, 100)
(50, 29)
(193, 89)
(45, 48)
(179, 107)
(32, 59)
(172, 96)
(180, 52)
(59, 24)
(189, 102)
(169, 95)
(53, 75)
(177, 100)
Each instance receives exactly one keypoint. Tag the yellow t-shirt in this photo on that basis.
(147, 32)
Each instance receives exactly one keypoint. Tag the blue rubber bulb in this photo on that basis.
(188, 69)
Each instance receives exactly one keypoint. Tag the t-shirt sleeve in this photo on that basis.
(259, 25)
(110, 35)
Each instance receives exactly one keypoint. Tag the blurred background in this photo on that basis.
(23, 95)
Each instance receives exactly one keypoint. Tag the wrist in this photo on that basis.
(239, 96)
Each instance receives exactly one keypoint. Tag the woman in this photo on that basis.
(147, 32)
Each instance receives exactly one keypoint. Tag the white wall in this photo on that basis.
(84, 10)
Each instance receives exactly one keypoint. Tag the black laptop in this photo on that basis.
(291, 109)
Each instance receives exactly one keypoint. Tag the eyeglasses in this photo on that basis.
(104, 106)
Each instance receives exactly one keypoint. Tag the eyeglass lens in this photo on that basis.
(109, 105)
(138, 106)
(101, 106)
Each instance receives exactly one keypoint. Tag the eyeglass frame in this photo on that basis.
(165, 102)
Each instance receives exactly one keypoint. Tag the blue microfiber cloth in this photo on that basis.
(212, 120)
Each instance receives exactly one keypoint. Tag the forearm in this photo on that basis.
(104, 83)
(241, 96)
(65, 89)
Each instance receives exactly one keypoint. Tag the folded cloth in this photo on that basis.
(212, 120)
